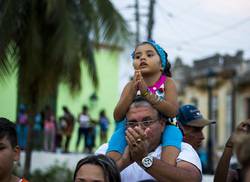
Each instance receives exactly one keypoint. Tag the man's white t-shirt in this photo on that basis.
(135, 173)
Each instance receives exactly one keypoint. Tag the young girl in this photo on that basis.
(152, 81)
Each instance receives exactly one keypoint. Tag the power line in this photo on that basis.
(223, 30)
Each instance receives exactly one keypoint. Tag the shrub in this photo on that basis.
(53, 174)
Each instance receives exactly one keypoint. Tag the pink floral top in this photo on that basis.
(158, 88)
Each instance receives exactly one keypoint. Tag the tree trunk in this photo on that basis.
(28, 149)
(33, 102)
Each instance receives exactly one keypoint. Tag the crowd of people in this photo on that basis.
(54, 135)
(155, 139)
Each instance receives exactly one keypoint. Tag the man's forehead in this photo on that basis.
(195, 128)
(141, 111)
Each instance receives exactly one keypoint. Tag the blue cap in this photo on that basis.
(191, 116)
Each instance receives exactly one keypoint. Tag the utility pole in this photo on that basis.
(150, 18)
(137, 20)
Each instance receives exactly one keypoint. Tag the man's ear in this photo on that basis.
(17, 152)
(163, 123)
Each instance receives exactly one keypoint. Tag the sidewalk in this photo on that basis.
(42, 160)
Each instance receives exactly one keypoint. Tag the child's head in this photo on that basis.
(97, 168)
(152, 52)
(9, 151)
(102, 113)
(85, 109)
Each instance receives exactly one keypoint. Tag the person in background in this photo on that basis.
(9, 151)
(192, 122)
(96, 168)
(223, 173)
(68, 120)
(104, 125)
(242, 149)
(22, 126)
(49, 130)
(91, 136)
(84, 125)
(38, 132)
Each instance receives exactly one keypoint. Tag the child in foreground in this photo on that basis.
(152, 79)
(9, 151)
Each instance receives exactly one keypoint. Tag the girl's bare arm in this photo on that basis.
(169, 105)
(127, 96)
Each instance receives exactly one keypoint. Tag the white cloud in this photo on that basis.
(227, 7)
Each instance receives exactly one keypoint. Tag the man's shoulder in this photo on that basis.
(188, 154)
(187, 146)
(102, 149)
(188, 150)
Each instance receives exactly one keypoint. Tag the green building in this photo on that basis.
(107, 95)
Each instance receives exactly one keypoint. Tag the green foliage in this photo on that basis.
(54, 173)
(49, 39)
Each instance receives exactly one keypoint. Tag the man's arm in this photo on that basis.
(221, 172)
(124, 161)
(184, 171)
(160, 170)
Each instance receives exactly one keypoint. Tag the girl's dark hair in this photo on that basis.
(167, 70)
(108, 165)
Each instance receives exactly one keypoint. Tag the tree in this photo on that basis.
(46, 41)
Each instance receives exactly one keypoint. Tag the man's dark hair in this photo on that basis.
(108, 165)
(8, 129)
(140, 99)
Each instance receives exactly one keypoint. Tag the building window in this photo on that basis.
(214, 107)
(228, 117)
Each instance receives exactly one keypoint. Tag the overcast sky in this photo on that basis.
(195, 29)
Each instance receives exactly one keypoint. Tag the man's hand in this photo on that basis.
(137, 142)
(242, 128)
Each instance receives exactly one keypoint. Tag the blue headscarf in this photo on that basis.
(163, 55)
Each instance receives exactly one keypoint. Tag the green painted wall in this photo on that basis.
(8, 97)
(107, 67)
